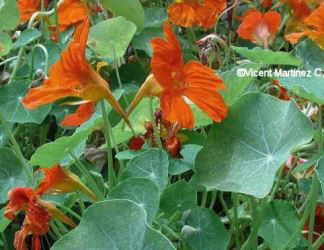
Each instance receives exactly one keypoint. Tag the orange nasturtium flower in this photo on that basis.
(71, 12)
(189, 13)
(28, 7)
(72, 76)
(60, 180)
(38, 214)
(176, 82)
(259, 28)
(314, 30)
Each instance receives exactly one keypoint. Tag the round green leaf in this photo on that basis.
(180, 196)
(152, 164)
(12, 173)
(142, 191)
(5, 43)
(131, 9)
(267, 56)
(13, 110)
(111, 38)
(205, 231)
(9, 15)
(59, 150)
(114, 225)
(279, 223)
(243, 153)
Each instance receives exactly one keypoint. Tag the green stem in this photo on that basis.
(107, 130)
(86, 173)
(312, 204)
(213, 199)
(8, 60)
(252, 241)
(277, 185)
(15, 146)
(5, 242)
(204, 199)
(156, 133)
(315, 182)
(22, 49)
(68, 210)
(318, 243)
(235, 220)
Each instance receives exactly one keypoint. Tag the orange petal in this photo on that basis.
(316, 19)
(56, 213)
(28, 7)
(200, 76)
(167, 57)
(250, 22)
(207, 13)
(212, 103)
(59, 180)
(182, 14)
(43, 95)
(18, 200)
(175, 110)
(149, 88)
(273, 20)
(71, 12)
(294, 37)
(81, 115)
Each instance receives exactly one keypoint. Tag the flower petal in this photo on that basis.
(71, 12)
(81, 115)
(182, 14)
(167, 57)
(175, 110)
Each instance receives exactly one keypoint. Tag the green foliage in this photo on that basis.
(12, 108)
(142, 191)
(27, 37)
(9, 15)
(110, 38)
(264, 56)
(12, 173)
(5, 44)
(279, 223)
(205, 231)
(130, 9)
(251, 144)
(118, 224)
(152, 164)
(180, 197)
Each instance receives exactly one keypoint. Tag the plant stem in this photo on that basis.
(235, 219)
(86, 173)
(315, 183)
(277, 185)
(204, 199)
(68, 210)
(156, 133)
(213, 199)
(252, 241)
(312, 204)
(107, 129)
(318, 243)
(15, 146)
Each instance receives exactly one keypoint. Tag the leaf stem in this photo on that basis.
(15, 146)
(107, 130)
(156, 133)
(86, 173)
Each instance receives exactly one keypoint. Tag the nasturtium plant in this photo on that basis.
(12, 173)
(161, 125)
(121, 224)
(260, 133)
